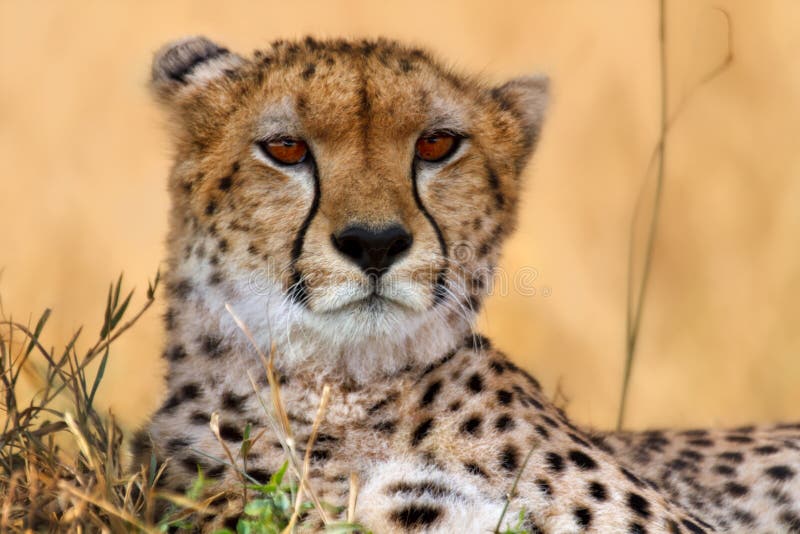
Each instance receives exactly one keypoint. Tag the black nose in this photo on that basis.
(373, 250)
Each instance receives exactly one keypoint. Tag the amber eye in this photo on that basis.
(286, 151)
(436, 147)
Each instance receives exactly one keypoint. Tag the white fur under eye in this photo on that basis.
(426, 171)
(302, 173)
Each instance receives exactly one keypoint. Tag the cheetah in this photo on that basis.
(347, 200)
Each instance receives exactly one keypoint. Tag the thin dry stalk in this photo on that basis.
(106, 507)
(280, 419)
(323, 406)
(636, 299)
(214, 424)
(353, 498)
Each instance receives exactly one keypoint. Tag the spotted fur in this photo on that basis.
(433, 420)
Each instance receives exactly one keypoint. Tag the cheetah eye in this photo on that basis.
(285, 150)
(437, 146)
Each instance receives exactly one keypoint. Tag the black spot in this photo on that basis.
(454, 406)
(509, 458)
(504, 423)
(199, 418)
(691, 455)
(549, 421)
(170, 404)
(472, 425)
(180, 289)
(692, 526)
(744, 517)
(497, 367)
(381, 404)
(191, 463)
(421, 431)
(580, 441)
(252, 249)
(211, 207)
(223, 245)
(309, 71)
(211, 346)
(631, 477)
(504, 397)
(215, 278)
(441, 361)
(262, 475)
(780, 473)
(190, 391)
(739, 439)
(232, 401)
(431, 393)
(673, 527)
(582, 460)
(731, 456)
(475, 383)
(736, 489)
(636, 528)
(230, 432)
(176, 353)
(639, 504)
(544, 486)
(542, 431)
(177, 444)
(598, 491)
(140, 443)
(319, 455)
(416, 515)
(216, 471)
(231, 522)
(225, 183)
(701, 442)
(791, 520)
(583, 516)
(386, 427)
(169, 319)
(724, 470)
(475, 469)
(766, 450)
(554, 462)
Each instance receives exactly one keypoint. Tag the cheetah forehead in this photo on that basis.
(331, 84)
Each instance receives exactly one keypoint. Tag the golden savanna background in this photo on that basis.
(84, 157)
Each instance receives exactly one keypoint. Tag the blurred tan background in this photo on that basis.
(84, 156)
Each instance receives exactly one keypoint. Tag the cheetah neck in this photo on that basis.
(201, 327)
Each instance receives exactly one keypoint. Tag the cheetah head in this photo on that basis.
(353, 193)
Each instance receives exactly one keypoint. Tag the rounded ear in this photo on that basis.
(527, 98)
(189, 62)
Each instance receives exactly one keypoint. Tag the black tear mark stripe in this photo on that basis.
(441, 278)
(297, 289)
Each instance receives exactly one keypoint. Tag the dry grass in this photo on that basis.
(63, 465)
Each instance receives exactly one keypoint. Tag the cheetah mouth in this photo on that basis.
(373, 303)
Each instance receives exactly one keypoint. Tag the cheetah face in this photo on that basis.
(361, 186)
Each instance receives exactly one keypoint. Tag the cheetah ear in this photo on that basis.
(527, 98)
(189, 63)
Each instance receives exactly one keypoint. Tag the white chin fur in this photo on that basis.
(363, 340)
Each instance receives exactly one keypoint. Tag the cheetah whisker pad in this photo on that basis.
(348, 200)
